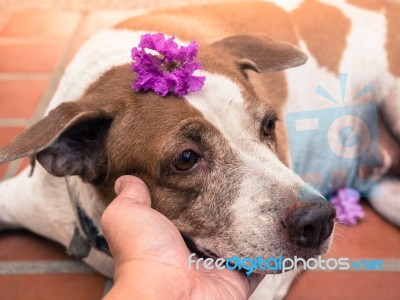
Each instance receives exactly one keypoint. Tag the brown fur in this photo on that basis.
(392, 13)
(266, 19)
(324, 28)
(147, 131)
(243, 18)
(376, 5)
(393, 38)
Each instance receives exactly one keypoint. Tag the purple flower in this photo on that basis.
(348, 208)
(169, 70)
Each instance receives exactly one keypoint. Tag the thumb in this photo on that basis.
(132, 194)
(124, 215)
(134, 230)
(133, 190)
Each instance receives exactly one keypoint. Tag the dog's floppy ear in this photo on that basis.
(261, 53)
(66, 142)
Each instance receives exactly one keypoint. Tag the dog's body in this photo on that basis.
(50, 205)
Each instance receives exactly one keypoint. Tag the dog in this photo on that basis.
(332, 35)
(217, 161)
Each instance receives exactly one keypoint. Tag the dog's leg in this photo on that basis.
(39, 203)
(386, 200)
(10, 197)
(275, 287)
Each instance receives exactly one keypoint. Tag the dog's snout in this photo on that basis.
(310, 223)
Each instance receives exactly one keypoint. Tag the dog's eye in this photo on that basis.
(186, 160)
(268, 127)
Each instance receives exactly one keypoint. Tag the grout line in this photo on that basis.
(72, 266)
(54, 79)
(4, 20)
(389, 265)
(58, 72)
(12, 169)
(24, 76)
(14, 122)
(21, 40)
(27, 40)
(107, 286)
(43, 267)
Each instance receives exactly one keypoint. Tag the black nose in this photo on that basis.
(310, 223)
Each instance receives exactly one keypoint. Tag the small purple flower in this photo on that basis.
(168, 71)
(348, 208)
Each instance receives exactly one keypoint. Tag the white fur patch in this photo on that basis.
(222, 104)
(364, 59)
(288, 5)
(103, 51)
(106, 49)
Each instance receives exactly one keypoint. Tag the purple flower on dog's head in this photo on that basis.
(169, 70)
(348, 210)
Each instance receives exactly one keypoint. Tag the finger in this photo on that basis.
(132, 194)
(133, 189)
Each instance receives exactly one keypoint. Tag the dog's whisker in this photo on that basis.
(276, 91)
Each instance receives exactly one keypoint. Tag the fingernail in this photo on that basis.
(118, 186)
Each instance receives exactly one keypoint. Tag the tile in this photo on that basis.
(21, 165)
(24, 245)
(3, 16)
(345, 285)
(19, 98)
(98, 20)
(6, 135)
(30, 58)
(77, 44)
(373, 237)
(3, 169)
(41, 24)
(52, 286)
(25, 162)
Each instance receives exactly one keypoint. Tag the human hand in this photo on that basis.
(151, 258)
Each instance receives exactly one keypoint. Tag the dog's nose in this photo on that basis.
(310, 223)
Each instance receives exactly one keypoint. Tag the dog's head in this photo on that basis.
(209, 158)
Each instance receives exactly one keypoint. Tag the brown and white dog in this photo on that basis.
(213, 160)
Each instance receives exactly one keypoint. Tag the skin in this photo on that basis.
(156, 268)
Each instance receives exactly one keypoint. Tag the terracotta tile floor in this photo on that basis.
(34, 50)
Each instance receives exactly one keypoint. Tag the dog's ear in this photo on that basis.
(66, 142)
(261, 53)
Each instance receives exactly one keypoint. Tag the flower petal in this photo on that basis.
(171, 71)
